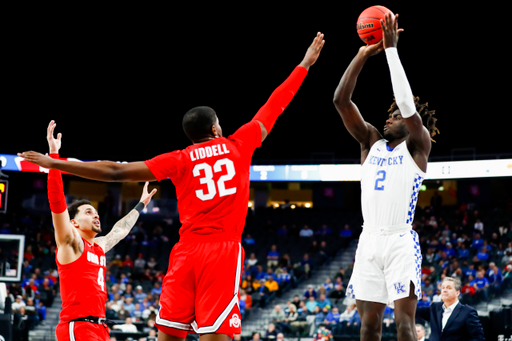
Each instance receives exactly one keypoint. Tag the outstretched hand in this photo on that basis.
(37, 158)
(53, 143)
(146, 197)
(390, 30)
(313, 51)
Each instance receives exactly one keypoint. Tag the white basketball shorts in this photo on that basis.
(386, 262)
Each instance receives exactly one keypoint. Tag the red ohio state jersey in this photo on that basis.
(212, 182)
(82, 284)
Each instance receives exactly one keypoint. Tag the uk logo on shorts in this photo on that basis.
(234, 321)
(399, 287)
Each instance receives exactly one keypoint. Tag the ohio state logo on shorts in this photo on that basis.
(234, 321)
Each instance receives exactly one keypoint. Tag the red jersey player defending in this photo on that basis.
(201, 288)
(81, 257)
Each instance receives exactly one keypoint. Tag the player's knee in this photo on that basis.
(371, 329)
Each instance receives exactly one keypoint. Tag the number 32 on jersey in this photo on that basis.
(207, 179)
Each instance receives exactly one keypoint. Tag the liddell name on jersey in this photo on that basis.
(386, 161)
(208, 151)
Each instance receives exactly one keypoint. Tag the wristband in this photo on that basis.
(139, 207)
(56, 197)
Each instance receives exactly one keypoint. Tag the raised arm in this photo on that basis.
(282, 96)
(68, 241)
(362, 131)
(419, 138)
(121, 229)
(99, 170)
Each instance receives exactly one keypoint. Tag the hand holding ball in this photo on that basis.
(368, 24)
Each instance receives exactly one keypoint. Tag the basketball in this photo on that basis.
(368, 24)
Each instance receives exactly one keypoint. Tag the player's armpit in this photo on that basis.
(263, 131)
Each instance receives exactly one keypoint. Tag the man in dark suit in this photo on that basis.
(451, 320)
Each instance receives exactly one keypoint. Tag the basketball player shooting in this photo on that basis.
(81, 255)
(388, 258)
(200, 291)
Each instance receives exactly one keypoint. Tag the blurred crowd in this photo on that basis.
(282, 247)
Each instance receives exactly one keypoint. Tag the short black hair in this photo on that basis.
(73, 208)
(197, 122)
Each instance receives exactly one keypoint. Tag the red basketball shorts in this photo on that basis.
(81, 331)
(200, 291)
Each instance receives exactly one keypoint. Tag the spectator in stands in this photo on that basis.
(272, 257)
(346, 316)
(110, 313)
(346, 235)
(477, 242)
(136, 313)
(41, 311)
(277, 315)
(247, 285)
(271, 284)
(420, 332)
(306, 232)
(482, 255)
(256, 336)
(311, 304)
(248, 240)
(32, 315)
(127, 327)
(481, 285)
(264, 293)
(328, 285)
(271, 332)
(157, 289)
(428, 288)
(139, 264)
(139, 294)
(310, 292)
(338, 293)
(324, 302)
(16, 305)
(424, 302)
(246, 298)
(320, 315)
(324, 232)
(333, 317)
(128, 263)
(437, 296)
(495, 278)
(47, 292)
(122, 313)
(252, 261)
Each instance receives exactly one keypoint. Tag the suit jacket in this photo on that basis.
(463, 324)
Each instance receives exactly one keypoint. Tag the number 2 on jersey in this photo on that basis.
(208, 179)
(381, 176)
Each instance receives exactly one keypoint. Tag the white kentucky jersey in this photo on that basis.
(390, 184)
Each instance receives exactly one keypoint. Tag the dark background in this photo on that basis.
(118, 79)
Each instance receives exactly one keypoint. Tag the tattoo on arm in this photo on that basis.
(119, 231)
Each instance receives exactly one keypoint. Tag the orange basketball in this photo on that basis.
(368, 24)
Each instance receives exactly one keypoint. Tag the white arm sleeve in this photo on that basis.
(401, 88)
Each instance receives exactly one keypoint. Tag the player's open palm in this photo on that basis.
(314, 50)
(146, 197)
(390, 30)
(53, 143)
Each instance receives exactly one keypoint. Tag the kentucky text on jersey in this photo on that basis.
(209, 151)
(383, 161)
